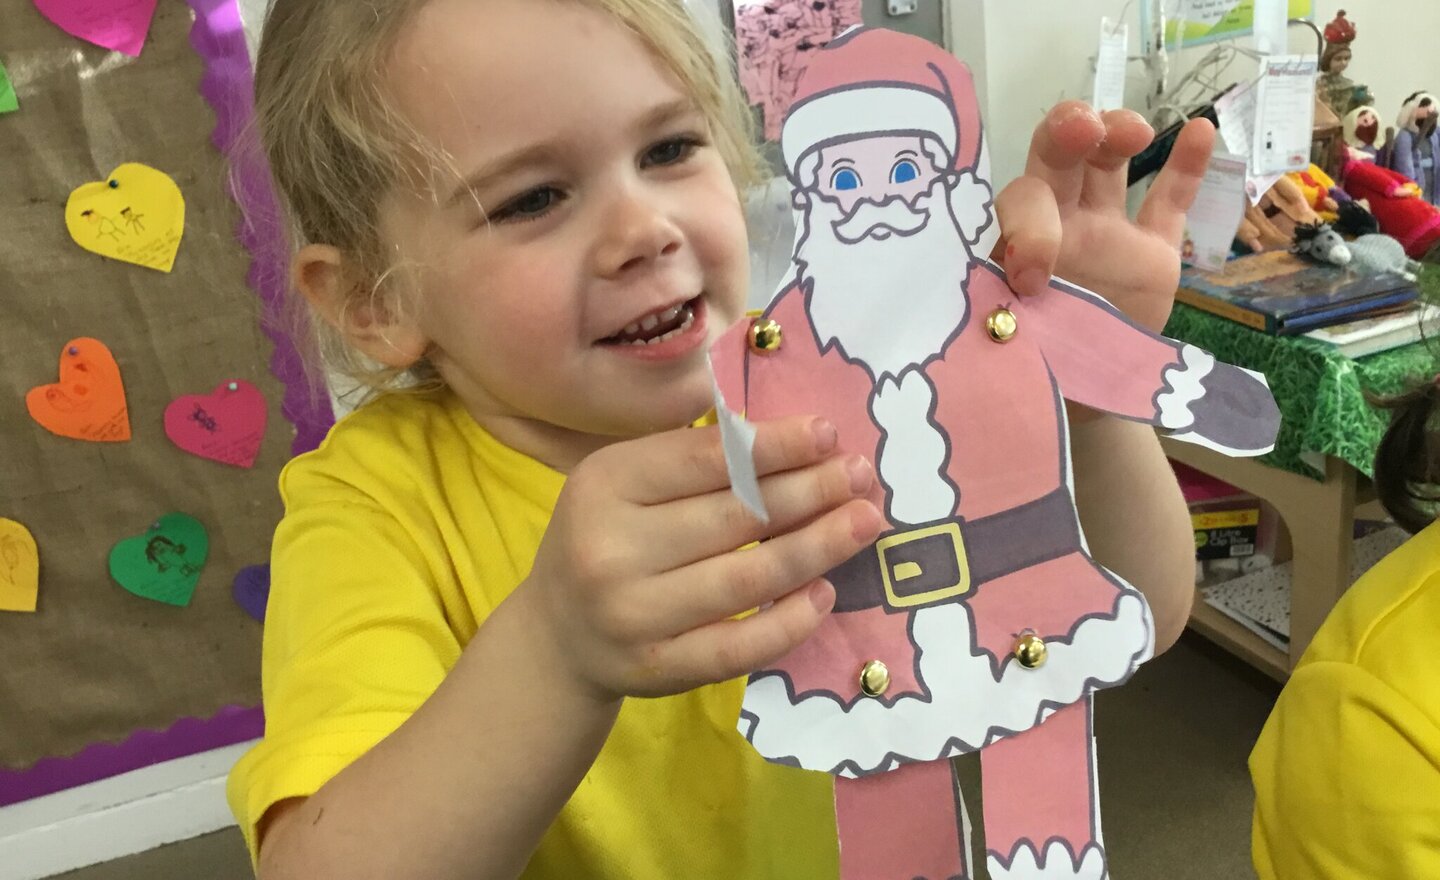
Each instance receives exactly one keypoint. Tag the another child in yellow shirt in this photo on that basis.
(473, 576)
(1347, 768)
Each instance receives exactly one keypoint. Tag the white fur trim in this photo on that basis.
(912, 456)
(970, 201)
(834, 116)
(1056, 864)
(1185, 387)
(966, 702)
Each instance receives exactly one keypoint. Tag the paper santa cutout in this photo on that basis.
(978, 620)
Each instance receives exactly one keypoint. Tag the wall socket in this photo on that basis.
(903, 7)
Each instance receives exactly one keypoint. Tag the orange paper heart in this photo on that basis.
(88, 403)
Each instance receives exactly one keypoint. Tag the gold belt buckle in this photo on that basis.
(956, 584)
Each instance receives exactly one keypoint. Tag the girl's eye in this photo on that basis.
(904, 171)
(845, 179)
(670, 152)
(530, 205)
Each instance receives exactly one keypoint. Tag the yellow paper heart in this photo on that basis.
(137, 215)
(19, 568)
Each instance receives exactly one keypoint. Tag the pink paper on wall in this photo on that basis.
(776, 40)
(120, 25)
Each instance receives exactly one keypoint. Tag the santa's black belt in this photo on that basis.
(939, 561)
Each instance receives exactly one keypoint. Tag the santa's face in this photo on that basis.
(875, 169)
(572, 285)
(882, 252)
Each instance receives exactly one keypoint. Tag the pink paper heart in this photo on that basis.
(120, 25)
(226, 425)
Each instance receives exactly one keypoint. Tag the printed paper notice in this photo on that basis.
(1110, 66)
(1284, 114)
(1215, 215)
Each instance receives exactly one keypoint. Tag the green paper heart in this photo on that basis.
(164, 563)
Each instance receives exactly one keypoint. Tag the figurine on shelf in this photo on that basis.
(1363, 134)
(1367, 255)
(1319, 191)
(1396, 203)
(1417, 143)
(1320, 242)
(1337, 91)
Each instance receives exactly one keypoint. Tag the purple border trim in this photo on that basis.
(188, 736)
(228, 85)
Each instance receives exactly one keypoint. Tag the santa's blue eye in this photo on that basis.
(845, 179)
(904, 171)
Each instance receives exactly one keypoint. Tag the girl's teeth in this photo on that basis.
(684, 325)
(632, 329)
(649, 322)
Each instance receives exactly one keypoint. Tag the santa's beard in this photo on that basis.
(892, 301)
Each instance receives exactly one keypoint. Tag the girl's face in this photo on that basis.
(572, 283)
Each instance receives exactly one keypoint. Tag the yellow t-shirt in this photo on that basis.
(401, 533)
(1347, 769)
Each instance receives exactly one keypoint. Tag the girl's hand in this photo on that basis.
(638, 581)
(1066, 215)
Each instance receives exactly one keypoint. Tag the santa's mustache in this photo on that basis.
(867, 219)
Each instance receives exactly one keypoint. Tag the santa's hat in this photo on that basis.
(1413, 103)
(877, 82)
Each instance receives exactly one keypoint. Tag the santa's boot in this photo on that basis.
(907, 824)
(1042, 812)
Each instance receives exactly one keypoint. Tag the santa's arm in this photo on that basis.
(1102, 360)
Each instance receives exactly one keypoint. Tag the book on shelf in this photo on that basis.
(1282, 294)
(1382, 332)
(1260, 599)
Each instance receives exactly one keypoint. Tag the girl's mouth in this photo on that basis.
(664, 334)
(657, 327)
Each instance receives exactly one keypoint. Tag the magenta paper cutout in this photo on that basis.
(226, 425)
(120, 25)
(776, 40)
(978, 621)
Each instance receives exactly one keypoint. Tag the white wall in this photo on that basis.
(1037, 52)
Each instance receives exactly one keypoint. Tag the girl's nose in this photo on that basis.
(637, 232)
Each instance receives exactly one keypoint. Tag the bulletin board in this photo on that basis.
(98, 680)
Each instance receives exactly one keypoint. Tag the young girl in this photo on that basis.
(532, 208)
(1347, 769)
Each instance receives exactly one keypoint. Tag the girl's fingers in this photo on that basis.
(1108, 166)
(733, 583)
(731, 648)
(1061, 143)
(694, 529)
(1174, 190)
(691, 461)
(1030, 231)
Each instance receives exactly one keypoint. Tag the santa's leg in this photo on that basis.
(1042, 810)
(902, 825)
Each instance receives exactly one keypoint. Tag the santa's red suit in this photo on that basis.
(983, 559)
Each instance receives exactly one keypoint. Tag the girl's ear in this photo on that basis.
(392, 339)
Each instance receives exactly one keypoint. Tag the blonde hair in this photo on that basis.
(336, 143)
